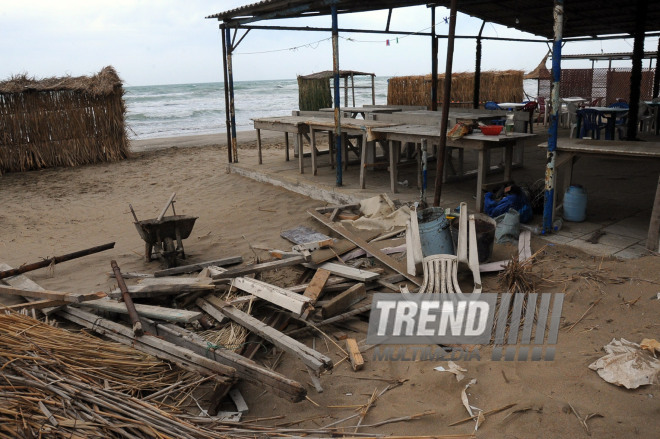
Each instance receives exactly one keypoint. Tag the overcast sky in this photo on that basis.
(170, 42)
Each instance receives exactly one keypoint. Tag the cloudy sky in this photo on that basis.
(170, 42)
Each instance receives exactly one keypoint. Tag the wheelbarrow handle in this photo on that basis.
(162, 214)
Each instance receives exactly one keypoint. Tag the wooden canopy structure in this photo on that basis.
(550, 19)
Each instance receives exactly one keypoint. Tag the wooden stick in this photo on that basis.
(490, 412)
(162, 214)
(55, 260)
(585, 313)
(132, 312)
(199, 266)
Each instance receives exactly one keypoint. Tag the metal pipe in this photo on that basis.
(550, 171)
(440, 164)
(54, 260)
(477, 70)
(434, 63)
(225, 86)
(636, 74)
(232, 110)
(128, 301)
(656, 77)
(335, 70)
(373, 90)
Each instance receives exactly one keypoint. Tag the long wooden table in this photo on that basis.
(569, 149)
(481, 143)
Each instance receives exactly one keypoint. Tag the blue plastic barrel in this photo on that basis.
(434, 232)
(575, 204)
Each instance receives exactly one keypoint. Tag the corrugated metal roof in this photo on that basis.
(329, 74)
(582, 17)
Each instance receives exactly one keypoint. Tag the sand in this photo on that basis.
(56, 211)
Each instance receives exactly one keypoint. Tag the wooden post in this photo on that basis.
(440, 164)
(226, 89)
(654, 226)
(132, 312)
(636, 74)
(354, 355)
(434, 63)
(477, 70)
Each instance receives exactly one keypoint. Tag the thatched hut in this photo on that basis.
(64, 121)
(314, 90)
(498, 86)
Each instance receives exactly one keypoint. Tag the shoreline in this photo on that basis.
(198, 140)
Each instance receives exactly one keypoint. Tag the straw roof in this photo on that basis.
(102, 84)
(541, 71)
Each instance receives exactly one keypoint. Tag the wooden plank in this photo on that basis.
(258, 268)
(37, 304)
(145, 291)
(199, 266)
(316, 285)
(25, 283)
(344, 300)
(273, 294)
(246, 369)
(311, 358)
(51, 295)
(239, 401)
(354, 355)
(350, 272)
(151, 345)
(151, 311)
(131, 275)
(385, 259)
(654, 225)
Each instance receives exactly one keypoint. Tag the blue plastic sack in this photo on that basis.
(494, 207)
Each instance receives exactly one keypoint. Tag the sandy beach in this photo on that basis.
(56, 211)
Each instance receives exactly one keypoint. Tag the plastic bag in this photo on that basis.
(458, 131)
(512, 198)
(508, 227)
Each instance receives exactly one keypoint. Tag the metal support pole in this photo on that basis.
(232, 110)
(434, 63)
(477, 71)
(225, 86)
(440, 164)
(656, 77)
(550, 171)
(636, 74)
(337, 103)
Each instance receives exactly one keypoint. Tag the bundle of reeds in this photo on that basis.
(66, 121)
(313, 93)
(498, 86)
(59, 383)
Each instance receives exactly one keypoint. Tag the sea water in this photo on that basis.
(190, 109)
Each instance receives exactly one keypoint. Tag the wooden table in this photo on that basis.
(356, 127)
(568, 151)
(286, 124)
(475, 142)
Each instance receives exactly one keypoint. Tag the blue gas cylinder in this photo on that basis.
(575, 204)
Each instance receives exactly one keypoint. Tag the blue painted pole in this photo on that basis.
(232, 110)
(337, 103)
(550, 171)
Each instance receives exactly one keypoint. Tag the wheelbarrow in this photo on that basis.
(163, 236)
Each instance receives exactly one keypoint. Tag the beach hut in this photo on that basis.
(63, 121)
(314, 90)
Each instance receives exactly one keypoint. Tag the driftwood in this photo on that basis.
(55, 260)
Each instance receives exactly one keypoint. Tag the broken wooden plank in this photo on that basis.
(146, 290)
(51, 295)
(131, 275)
(316, 285)
(344, 300)
(246, 369)
(385, 259)
(273, 294)
(350, 272)
(258, 268)
(315, 360)
(151, 345)
(37, 304)
(25, 283)
(199, 266)
(342, 245)
(354, 355)
(239, 401)
(151, 311)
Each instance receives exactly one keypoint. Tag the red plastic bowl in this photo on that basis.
(491, 130)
